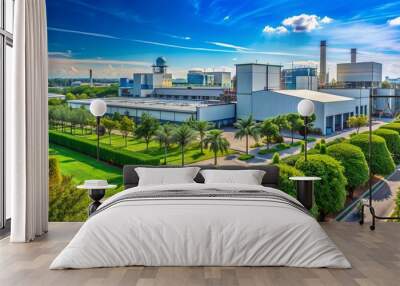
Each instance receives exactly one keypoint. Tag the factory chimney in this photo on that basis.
(353, 56)
(322, 63)
(91, 78)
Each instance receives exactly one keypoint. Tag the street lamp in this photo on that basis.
(98, 108)
(305, 109)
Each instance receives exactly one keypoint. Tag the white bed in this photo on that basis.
(200, 231)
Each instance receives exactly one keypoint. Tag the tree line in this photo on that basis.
(147, 129)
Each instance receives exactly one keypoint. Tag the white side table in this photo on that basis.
(305, 190)
(96, 193)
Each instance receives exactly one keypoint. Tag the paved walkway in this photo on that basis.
(383, 199)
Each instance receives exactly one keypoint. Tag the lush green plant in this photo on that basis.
(126, 126)
(392, 139)
(396, 212)
(322, 149)
(357, 122)
(276, 148)
(107, 154)
(317, 146)
(247, 127)
(164, 135)
(275, 158)
(392, 126)
(183, 136)
(216, 142)
(54, 172)
(245, 157)
(381, 163)
(269, 130)
(295, 123)
(330, 192)
(280, 121)
(147, 128)
(202, 127)
(109, 125)
(353, 160)
(292, 159)
(335, 141)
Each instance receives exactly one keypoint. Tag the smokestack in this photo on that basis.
(91, 77)
(353, 56)
(322, 63)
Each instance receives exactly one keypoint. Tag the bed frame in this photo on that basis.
(271, 177)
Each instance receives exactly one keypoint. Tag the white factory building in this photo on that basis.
(167, 110)
(259, 94)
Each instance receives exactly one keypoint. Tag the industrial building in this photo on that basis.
(300, 78)
(215, 78)
(359, 74)
(259, 95)
(176, 111)
(195, 77)
(189, 93)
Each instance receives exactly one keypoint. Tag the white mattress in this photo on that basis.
(200, 232)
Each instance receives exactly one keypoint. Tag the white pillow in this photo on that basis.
(247, 177)
(166, 176)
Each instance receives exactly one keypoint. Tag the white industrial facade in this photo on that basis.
(177, 111)
(258, 94)
(189, 93)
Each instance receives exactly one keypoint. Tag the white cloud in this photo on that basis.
(276, 30)
(225, 45)
(326, 20)
(305, 22)
(66, 54)
(394, 22)
(226, 18)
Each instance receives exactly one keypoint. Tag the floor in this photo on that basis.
(375, 257)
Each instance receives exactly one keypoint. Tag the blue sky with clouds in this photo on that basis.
(119, 37)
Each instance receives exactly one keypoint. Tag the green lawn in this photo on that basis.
(82, 167)
(192, 152)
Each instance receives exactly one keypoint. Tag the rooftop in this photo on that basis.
(151, 103)
(314, 95)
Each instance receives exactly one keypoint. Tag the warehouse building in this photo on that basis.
(189, 93)
(259, 95)
(167, 110)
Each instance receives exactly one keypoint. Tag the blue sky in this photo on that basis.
(119, 37)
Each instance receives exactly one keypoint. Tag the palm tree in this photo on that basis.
(247, 127)
(183, 135)
(294, 123)
(164, 135)
(202, 127)
(216, 143)
(269, 130)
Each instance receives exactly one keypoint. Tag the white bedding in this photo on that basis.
(202, 232)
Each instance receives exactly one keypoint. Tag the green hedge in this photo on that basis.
(353, 160)
(381, 163)
(392, 126)
(392, 139)
(107, 154)
(330, 192)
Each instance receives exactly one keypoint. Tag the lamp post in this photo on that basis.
(305, 109)
(98, 108)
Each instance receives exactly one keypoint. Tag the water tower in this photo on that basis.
(160, 66)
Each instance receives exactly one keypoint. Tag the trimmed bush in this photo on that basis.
(353, 160)
(245, 157)
(330, 192)
(292, 159)
(323, 149)
(381, 163)
(107, 154)
(392, 139)
(284, 184)
(335, 141)
(275, 158)
(55, 177)
(392, 126)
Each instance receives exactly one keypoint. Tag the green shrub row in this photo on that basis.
(330, 192)
(392, 126)
(107, 154)
(392, 139)
(382, 163)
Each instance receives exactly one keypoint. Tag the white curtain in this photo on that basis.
(26, 124)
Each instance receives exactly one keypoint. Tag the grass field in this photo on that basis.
(82, 167)
(192, 152)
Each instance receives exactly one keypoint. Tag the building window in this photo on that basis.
(366, 110)
(356, 110)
